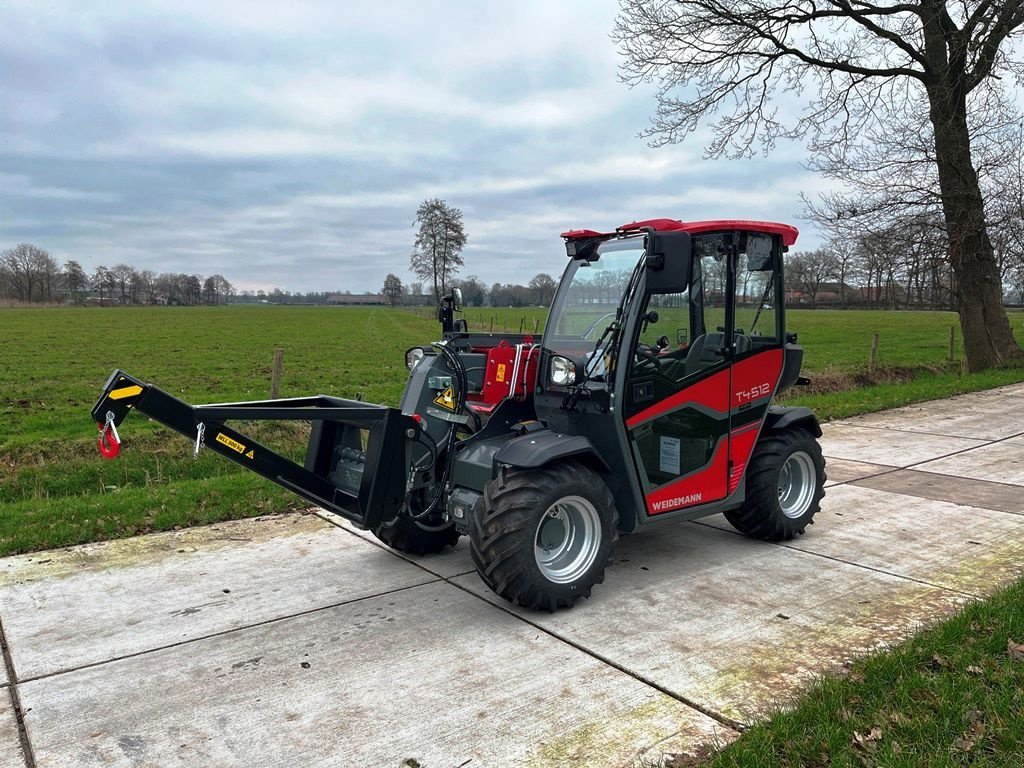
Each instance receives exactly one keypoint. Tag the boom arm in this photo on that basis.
(367, 487)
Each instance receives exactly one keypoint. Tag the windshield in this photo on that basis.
(592, 290)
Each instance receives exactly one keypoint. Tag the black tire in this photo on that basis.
(761, 515)
(404, 535)
(505, 529)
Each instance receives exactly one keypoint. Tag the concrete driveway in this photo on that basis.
(296, 641)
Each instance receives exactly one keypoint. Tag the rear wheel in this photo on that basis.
(406, 535)
(543, 537)
(785, 485)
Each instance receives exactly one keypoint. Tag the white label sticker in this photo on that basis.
(670, 455)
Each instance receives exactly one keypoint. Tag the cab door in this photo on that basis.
(757, 329)
(678, 389)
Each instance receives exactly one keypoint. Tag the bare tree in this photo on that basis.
(122, 276)
(437, 254)
(392, 289)
(891, 193)
(192, 288)
(74, 280)
(807, 271)
(866, 61)
(474, 291)
(31, 271)
(102, 280)
(543, 287)
(146, 286)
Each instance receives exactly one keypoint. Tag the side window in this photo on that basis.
(673, 310)
(687, 336)
(756, 301)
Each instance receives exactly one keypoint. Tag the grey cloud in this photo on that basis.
(291, 149)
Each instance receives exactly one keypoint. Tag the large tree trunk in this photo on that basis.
(988, 339)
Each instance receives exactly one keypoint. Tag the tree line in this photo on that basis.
(32, 275)
(904, 267)
(475, 293)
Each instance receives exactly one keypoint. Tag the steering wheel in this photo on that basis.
(646, 360)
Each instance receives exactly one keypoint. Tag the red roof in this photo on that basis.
(787, 232)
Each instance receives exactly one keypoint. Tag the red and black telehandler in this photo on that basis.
(647, 400)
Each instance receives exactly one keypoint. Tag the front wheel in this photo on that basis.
(543, 537)
(406, 535)
(785, 485)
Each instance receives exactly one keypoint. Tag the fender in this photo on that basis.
(535, 449)
(784, 416)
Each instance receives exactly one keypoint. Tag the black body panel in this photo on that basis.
(544, 446)
(783, 416)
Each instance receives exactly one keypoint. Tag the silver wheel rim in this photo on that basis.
(567, 539)
(797, 483)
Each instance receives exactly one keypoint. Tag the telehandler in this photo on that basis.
(647, 400)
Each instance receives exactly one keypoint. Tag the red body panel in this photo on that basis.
(754, 378)
(741, 445)
(511, 372)
(712, 392)
(787, 232)
(748, 384)
(707, 484)
(753, 381)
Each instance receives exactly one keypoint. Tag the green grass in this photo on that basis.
(54, 487)
(952, 695)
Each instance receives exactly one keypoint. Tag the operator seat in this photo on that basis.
(703, 352)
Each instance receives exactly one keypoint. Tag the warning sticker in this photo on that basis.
(234, 445)
(500, 375)
(669, 455)
(250, 455)
(446, 399)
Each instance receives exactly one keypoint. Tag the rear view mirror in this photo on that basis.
(668, 262)
(759, 253)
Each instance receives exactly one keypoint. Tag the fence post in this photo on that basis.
(275, 376)
(952, 341)
(521, 321)
(873, 360)
(536, 325)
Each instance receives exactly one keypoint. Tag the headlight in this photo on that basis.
(563, 371)
(412, 357)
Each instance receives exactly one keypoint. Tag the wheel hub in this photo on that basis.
(567, 540)
(798, 480)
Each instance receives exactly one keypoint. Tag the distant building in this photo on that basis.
(356, 298)
(828, 294)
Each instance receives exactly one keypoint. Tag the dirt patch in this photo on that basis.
(831, 381)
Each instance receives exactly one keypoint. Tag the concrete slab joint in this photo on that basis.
(298, 640)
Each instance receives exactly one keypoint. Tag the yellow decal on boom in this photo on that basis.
(123, 392)
(234, 445)
(500, 375)
(446, 399)
(250, 455)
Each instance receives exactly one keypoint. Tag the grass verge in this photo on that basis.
(893, 388)
(44, 523)
(952, 695)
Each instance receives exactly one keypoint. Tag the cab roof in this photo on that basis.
(787, 232)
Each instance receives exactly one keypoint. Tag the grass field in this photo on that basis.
(55, 490)
(904, 707)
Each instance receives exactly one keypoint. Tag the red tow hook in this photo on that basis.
(109, 442)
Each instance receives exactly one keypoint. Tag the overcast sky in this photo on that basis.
(289, 143)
